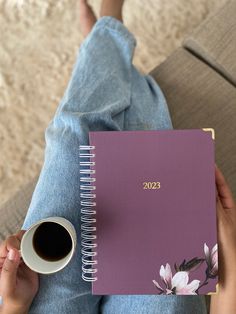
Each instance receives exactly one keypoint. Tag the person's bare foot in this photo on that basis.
(112, 8)
(86, 16)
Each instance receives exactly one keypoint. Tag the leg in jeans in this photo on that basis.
(101, 95)
(96, 98)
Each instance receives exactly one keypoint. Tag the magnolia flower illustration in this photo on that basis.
(211, 260)
(178, 284)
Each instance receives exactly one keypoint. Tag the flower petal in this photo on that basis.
(214, 270)
(214, 249)
(162, 271)
(180, 280)
(185, 291)
(166, 274)
(214, 261)
(207, 253)
(157, 285)
(194, 285)
(214, 255)
(189, 289)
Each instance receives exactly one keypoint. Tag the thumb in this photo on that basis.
(9, 271)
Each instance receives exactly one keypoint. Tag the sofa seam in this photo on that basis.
(215, 68)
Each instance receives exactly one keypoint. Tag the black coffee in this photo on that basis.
(51, 241)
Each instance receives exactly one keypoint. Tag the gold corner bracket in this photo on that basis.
(215, 292)
(212, 132)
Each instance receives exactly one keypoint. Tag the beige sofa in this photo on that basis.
(199, 82)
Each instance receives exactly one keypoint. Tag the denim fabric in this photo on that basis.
(105, 92)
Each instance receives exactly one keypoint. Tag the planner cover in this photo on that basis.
(149, 212)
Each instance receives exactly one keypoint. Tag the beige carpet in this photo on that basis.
(38, 43)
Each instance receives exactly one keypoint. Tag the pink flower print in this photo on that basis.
(178, 284)
(211, 260)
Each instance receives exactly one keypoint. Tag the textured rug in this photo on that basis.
(38, 43)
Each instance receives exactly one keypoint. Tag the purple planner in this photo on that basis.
(149, 212)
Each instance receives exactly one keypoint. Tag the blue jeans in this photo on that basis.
(105, 92)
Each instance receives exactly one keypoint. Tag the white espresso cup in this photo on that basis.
(30, 247)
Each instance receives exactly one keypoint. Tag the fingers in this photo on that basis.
(12, 242)
(20, 234)
(224, 192)
(9, 271)
(2, 260)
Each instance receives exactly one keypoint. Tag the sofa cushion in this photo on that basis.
(13, 212)
(198, 97)
(215, 41)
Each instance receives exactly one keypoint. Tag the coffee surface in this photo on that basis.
(51, 241)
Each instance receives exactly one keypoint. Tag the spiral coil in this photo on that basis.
(88, 213)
